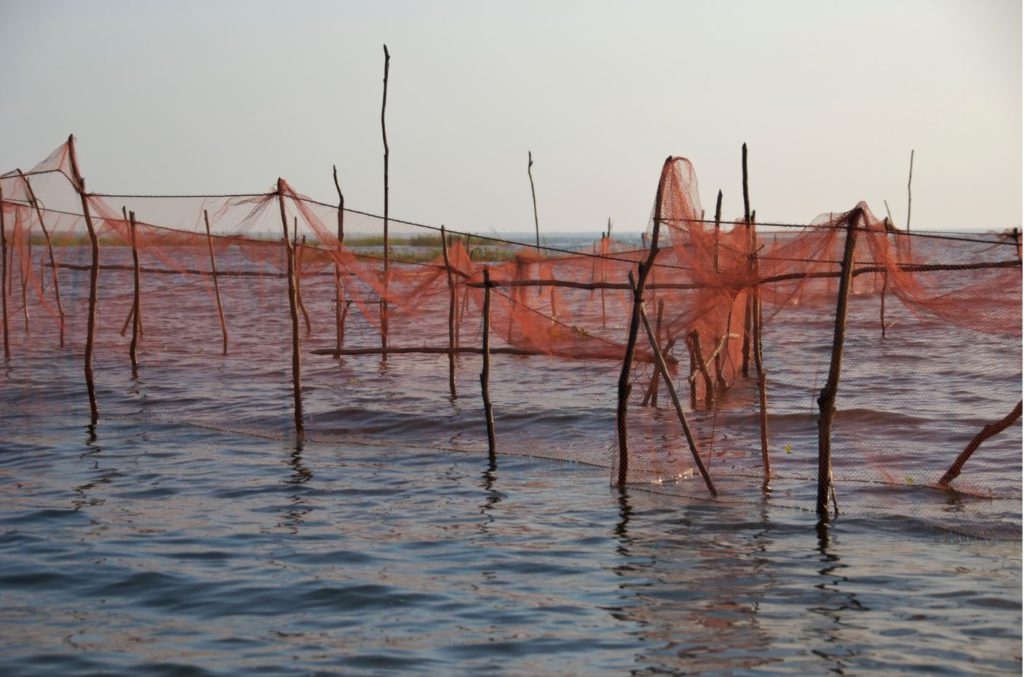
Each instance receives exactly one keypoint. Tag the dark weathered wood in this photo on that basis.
(651, 396)
(339, 293)
(94, 273)
(300, 428)
(49, 249)
(910, 178)
(988, 431)
(3, 277)
(718, 228)
(387, 254)
(485, 373)
(748, 313)
(697, 351)
(827, 398)
(452, 302)
(216, 284)
(659, 361)
(299, 246)
(624, 387)
(762, 378)
(533, 194)
(136, 298)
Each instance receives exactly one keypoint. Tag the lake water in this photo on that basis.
(188, 533)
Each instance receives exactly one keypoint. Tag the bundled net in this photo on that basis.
(386, 319)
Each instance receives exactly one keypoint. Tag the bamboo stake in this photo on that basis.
(885, 284)
(485, 373)
(747, 319)
(213, 270)
(49, 247)
(624, 387)
(300, 430)
(988, 431)
(339, 314)
(299, 247)
(533, 193)
(762, 379)
(387, 154)
(659, 360)
(94, 272)
(131, 310)
(3, 276)
(651, 396)
(451, 314)
(25, 264)
(910, 177)
(136, 297)
(718, 227)
(827, 398)
(702, 366)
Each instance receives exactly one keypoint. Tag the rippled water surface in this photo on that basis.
(188, 533)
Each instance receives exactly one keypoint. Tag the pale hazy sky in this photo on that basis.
(186, 96)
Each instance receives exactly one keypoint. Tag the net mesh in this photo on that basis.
(908, 404)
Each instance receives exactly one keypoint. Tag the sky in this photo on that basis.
(190, 96)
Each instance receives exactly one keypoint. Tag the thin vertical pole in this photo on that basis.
(3, 276)
(718, 227)
(762, 378)
(624, 386)
(387, 154)
(300, 429)
(25, 264)
(533, 194)
(94, 273)
(49, 247)
(216, 285)
(299, 247)
(339, 315)
(747, 315)
(451, 314)
(136, 297)
(485, 373)
(910, 178)
(827, 398)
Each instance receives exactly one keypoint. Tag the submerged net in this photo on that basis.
(390, 345)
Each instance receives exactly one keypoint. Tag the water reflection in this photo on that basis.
(833, 604)
(294, 515)
(694, 587)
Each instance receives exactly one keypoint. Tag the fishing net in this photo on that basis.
(202, 289)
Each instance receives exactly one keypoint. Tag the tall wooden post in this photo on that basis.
(485, 373)
(827, 398)
(49, 248)
(451, 314)
(748, 313)
(3, 276)
(339, 294)
(762, 379)
(533, 194)
(718, 227)
(644, 268)
(136, 297)
(300, 428)
(216, 285)
(387, 153)
(94, 272)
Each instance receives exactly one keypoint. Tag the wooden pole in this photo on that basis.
(485, 373)
(827, 398)
(136, 298)
(988, 431)
(339, 294)
(651, 396)
(624, 387)
(299, 247)
(452, 302)
(718, 227)
(747, 315)
(387, 155)
(94, 272)
(49, 248)
(910, 177)
(3, 276)
(25, 264)
(300, 429)
(213, 272)
(762, 379)
(533, 194)
(659, 360)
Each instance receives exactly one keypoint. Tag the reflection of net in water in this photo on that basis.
(557, 325)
